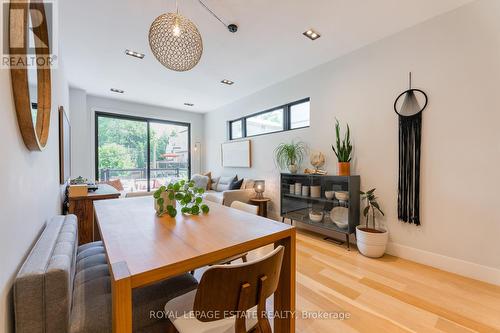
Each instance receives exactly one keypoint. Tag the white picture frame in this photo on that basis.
(236, 154)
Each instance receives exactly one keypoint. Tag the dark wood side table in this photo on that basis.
(262, 204)
(83, 208)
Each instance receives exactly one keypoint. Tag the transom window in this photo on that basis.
(283, 118)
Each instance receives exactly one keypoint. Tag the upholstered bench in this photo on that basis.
(64, 288)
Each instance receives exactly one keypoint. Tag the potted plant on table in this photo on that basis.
(188, 196)
(290, 155)
(371, 241)
(343, 151)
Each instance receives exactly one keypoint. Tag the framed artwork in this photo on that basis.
(64, 146)
(237, 154)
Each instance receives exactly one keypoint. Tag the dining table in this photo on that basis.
(143, 248)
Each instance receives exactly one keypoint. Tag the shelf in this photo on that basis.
(303, 216)
(325, 200)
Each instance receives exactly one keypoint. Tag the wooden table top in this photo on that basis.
(152, 246)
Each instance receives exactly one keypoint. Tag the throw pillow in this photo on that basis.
(236, 184)
(209, 175)
(200, 181)
(224, 183)
(215, 182)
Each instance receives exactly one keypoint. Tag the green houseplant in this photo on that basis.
(185, 193)
(371, 241)
(343, 150)
(290, 155)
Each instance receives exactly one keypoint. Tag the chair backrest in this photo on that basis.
(214, 198)
(44, 285)
(245, 207)
(226, 289)
(138, 194)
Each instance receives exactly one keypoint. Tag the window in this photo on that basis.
(283, 118)
(268, 122)
(299, 115)
(143, 154)
(237, 129)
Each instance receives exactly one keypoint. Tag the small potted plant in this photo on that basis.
(290, 155)
(371, 241)
(343, 151)
(188, 196)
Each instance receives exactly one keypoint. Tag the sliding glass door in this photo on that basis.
(140, 154)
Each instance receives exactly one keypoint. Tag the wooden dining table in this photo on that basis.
(143, 249)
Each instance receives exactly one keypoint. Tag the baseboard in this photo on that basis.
(449, 264)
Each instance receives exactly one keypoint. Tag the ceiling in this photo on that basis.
(268, 47)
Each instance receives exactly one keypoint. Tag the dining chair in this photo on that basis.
(245, 207)
(138, 194)
(229, 298)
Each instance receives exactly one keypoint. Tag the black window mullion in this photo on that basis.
(148, 163)
(244, 127)
(286, 117)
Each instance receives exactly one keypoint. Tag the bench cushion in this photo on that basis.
(43, 286)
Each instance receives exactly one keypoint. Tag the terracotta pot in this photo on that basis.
(344, 168)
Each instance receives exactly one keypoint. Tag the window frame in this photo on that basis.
(148, 121)
(286, 120)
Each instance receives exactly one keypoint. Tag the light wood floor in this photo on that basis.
(386, 295)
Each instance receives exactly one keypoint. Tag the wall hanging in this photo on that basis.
(408, 106)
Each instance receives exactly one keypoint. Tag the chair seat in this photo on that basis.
(180, 312)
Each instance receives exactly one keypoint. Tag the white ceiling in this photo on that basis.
(269, 46)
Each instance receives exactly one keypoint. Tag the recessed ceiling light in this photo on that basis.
(311, 34)
(119, 91)
(134, 54)
(188, 104)
(228, 82)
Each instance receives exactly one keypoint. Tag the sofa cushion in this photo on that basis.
(84, 247)
(200, 181)
(224, 183)
(247, 184)
(236, 184)
(43, 286)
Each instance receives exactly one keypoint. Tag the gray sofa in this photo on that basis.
(63, 287)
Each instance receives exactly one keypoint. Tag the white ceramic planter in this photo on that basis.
(371, 244)
(292, 168)
(167, 201)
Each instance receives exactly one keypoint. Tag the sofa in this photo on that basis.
(66, 288)
(220, 188)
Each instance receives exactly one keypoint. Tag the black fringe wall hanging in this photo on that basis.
(410, 132)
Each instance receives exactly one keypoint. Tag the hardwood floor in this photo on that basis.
(386, 295)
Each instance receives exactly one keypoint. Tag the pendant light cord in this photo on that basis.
(213, 14)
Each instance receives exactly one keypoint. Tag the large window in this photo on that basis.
(283, 118)
(142, 154)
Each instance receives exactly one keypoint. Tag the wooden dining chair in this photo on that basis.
(245, 207)
(229, 298)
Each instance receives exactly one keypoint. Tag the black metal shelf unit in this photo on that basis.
(296, 207)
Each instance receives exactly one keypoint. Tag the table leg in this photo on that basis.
(284, 297)
(122, 298)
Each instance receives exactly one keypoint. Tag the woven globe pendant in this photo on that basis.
(175, 42)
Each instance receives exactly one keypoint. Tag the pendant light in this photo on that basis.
(175, 41)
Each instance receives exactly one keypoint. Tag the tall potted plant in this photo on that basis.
(371, 241)
(343, 151)
(290, 155)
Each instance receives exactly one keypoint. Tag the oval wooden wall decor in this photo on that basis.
(31, 86)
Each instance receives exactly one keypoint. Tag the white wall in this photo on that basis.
(82, 119)
(455, 58)
(30, 193)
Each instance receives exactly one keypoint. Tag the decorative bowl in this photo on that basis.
(329, 194)
(316, 216)
(340, 216)
(342, 195)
